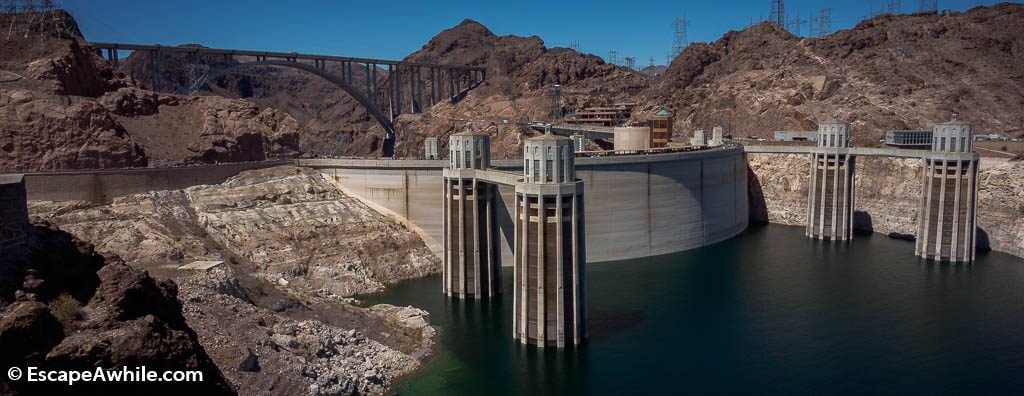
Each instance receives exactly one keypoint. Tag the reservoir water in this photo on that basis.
(769, 311)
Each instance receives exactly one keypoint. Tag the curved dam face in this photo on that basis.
(636, 206)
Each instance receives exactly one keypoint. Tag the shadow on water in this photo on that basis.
(603, 324)
(758, 207)
(862, 223)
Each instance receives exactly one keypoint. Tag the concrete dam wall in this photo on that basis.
(635, 206)
(103, 185)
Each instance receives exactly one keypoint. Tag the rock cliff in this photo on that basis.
(294, 248)
(887, 195)
(63, 306)
(888, 72)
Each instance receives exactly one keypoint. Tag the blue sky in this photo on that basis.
(637, 28)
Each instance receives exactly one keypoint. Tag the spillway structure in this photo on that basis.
(947, 214)
(830, 193)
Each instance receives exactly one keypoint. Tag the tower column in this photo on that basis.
(472, 268)
(948, 212)
(830, 192)
(550, 253)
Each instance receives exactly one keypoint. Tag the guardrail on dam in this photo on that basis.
(636, 205)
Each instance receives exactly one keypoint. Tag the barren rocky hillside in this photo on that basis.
(520, 71)
(889, 72)
(63, 107)
(294, 248)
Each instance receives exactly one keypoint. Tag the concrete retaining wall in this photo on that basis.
(636, 206)
(14, 222)
(104, 185)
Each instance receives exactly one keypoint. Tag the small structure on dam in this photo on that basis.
(549, 308)
(472, 266)
(947, 213)
(830, 194)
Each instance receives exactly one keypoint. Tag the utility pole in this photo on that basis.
(777, 13)
(822, 24)
(679, 37)
(795, 23)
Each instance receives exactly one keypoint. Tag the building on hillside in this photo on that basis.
(661, 128)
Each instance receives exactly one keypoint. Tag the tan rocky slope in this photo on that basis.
(63, 107)
(888, 72)
(276, 317)
(887, 195)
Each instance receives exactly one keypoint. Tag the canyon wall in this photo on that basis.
(887, 194)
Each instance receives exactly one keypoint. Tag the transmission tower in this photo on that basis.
(679, 38)
(794, 24)
(652, 61)
(822, 23)
(777, 13)
(928, 6)
(613, 57)
(630, 62)
(574, 45)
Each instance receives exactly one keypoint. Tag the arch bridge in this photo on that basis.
(427, 84)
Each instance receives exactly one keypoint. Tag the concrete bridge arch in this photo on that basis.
(356, 93)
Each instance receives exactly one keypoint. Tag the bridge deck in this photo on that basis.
(270, 54)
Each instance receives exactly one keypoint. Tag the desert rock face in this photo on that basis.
(263, 352)
(887, 195)
(292, 225)
(39, 134)
(275, 317)
(63, 306)
(64, 107)
(888, 72)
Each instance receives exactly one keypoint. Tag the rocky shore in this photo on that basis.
(280, 252)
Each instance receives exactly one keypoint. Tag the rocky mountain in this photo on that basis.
(521, 74)
(520, 71)
(63, 107)
(888, 72)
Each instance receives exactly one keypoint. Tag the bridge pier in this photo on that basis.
(550, 255)
(830, 194)
(946, 228)
(472, 256)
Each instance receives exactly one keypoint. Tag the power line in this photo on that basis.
(679, 37)
(777, 13)
(630, 63)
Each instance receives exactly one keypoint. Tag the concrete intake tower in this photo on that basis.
(549, 308)
(830, 196)
(947, 213)
(472, 260)
(548, 250)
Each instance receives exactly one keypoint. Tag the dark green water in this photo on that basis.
(767, 312)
